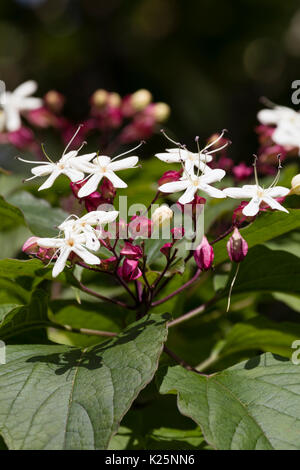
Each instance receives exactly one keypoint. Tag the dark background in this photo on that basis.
(210, 60)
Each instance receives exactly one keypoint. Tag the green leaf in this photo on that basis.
(261, 334)
(266, 227)
(16, 319)
(41, 218)
(59, 397)
(254, 405)
(10, 216)
(267, 270)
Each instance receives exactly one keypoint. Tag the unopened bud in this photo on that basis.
(204, 255)
(114, 100)
(140, 99)
(131, 251)
(169, 176)
(161, 111)
(129, 271)
(30, 246)
(166, 249)
(54, 101)
(99, 98)
(162, 215)
(237, 247)
(295, 185)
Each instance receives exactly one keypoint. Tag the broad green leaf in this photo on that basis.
(16, 319)
(261, 334)
(10, 216)
(41, 218)
(59, 397)
(268, 270)
(254, 405)
(266, 227)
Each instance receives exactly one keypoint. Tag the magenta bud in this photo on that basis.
(169, 176)
(30, 246)
(129, 271)
(107, 190)
(177, 233)
(109, 264)
(204, 255)
(166, 249)
(237, 247)
(242, 172)
(140, 226)
(131, 251)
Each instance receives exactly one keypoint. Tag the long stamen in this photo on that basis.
(82, 145)
(129, 151)
(277, 176)
(70, 142)
(34, 162)
(53, 256)
(178, 144)
(45, 153)
(216, 140)
(255, 169)
(31, 178)
(199, 155)
(220, 148)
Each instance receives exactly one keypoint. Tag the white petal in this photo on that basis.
(88, 257)
(90, 186)
(169, 157)
(91, 241)
(188, 195)
(213, 176)
(268, 116)
(129, 162)
(102, 160)
(115, 180)
(277, 191)
(73, 174)
(174, 186)
(50, 242)
(106, 217)
(68, 155)
(238, 193)
(26, 88)
(49, 181)
(43, 170)
(252, 207)
(28, 104)
(212, 192)
(61, 261)
(12, 117)
(274, 204)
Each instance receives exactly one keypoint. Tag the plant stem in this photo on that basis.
(84, 331)
(192, 313)
(102, 297)
(177, 291)
(180, 361)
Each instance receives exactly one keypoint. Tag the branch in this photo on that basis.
(180, 361)
(84, 331)
(177, 291)
(102, 297)
(192, 313)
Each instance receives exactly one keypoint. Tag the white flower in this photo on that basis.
(73, 242)
(192, 183)
(70, 164)
(104, 166)
(15, 102)
(85, 225)
(257, 194)
(191, 159)
(287, 122)
(161, 215)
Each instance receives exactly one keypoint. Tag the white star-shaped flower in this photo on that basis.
(104, 166)
(72, 242)
(84, 225)
(257, 194)
(13, 103)
(70, 165)
(192, 183)
(287, 122)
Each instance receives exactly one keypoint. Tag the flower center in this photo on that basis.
(61, 166)
(260, 193)
(71, 242)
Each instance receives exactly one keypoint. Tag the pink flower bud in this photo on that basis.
(30, 246)
(107, 190)
(196, 206)
(242, 172)
(109, 264)
(140, 226)
(204, 255)
(23, 139)
(121, 229)
(166, 249)
(237, 247)
(129, 271)
(169, 176)
(177, 233)
(42, 117)
(131, 251)
(54, 101)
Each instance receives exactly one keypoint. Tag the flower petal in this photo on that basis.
(174, 186)
(172, 157)
(252, 208)
(212, 192)
(73, 174)
(50, 242)
(115, 180)
(88, 257)
(28, 104)
(61, 261)
(238, 193)
(274, 204)
(12, 117)
(90, 186)
(49, 181)
(26, 89)
(129, 162)
(277, 191)
(268, 116)
(213, 176)
(188, 195)
(43, 170)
